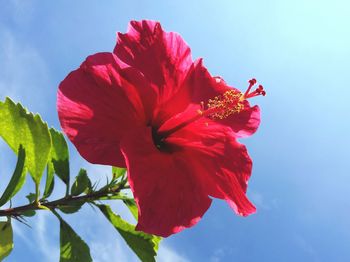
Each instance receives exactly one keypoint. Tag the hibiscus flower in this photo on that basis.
(149, 107)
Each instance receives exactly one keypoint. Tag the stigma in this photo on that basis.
(230, 102)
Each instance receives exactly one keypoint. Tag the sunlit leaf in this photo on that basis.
(6, 239)
(81, 184)
(19, 127)
(60, 156)
(144, 245)
(131, 204)
(118, 172)
(72, 247)
(17, 179)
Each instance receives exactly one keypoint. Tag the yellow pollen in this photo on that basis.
(231, 102)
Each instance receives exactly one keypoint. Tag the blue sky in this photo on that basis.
(299, 50)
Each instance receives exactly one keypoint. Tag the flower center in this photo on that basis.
(220, 107)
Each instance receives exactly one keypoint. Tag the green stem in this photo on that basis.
(37, 194)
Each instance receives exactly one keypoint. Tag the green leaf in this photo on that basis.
(72, 208)
(118, 172)
(72, 247)
(144, 245)
(50, 181)
(81, 184)
(31, 197)
(28, 213)
(18, 127)
(60, 156)
(17, 179)
(131, 204)
(6, 239)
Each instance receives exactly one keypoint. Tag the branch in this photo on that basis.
(63, 202)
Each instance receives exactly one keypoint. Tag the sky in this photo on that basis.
(299, 50)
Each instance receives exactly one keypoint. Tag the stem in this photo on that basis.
(65, 201)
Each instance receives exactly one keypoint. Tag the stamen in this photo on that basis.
(225, 105)
(231, 101)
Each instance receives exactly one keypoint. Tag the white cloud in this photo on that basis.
(167, 254)
(49, 249)
(306, 247)
(21, 11)
(259, 200)
(110, 250)
(24, 75)
(41, 237)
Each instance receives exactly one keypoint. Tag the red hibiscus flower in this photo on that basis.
(148, 107)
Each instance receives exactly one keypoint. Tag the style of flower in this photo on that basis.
(148, 107)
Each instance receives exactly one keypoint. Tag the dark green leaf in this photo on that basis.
(17, 179)
(60, 156)
(72, 247)
(18, 127)
(6, 239)
(131, 204)
(28, 213)
(72, 208)
(31, 197)
(144, 245)
(50, 180)
(118, 172)
(81, 184)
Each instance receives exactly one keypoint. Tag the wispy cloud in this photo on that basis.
(23, 75)
(42, 238)
(19, 11)
(305, 246)
(167, 254)
(259, 200)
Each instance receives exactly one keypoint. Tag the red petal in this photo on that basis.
(245, 123)
(223, 163)
(164, 58)
(100, 102)
(168, 192)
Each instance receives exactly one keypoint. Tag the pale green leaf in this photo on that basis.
(6, 239)
(17, 180)
(118, 172)
(81, 184)
(19, 127)
(144, 245)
